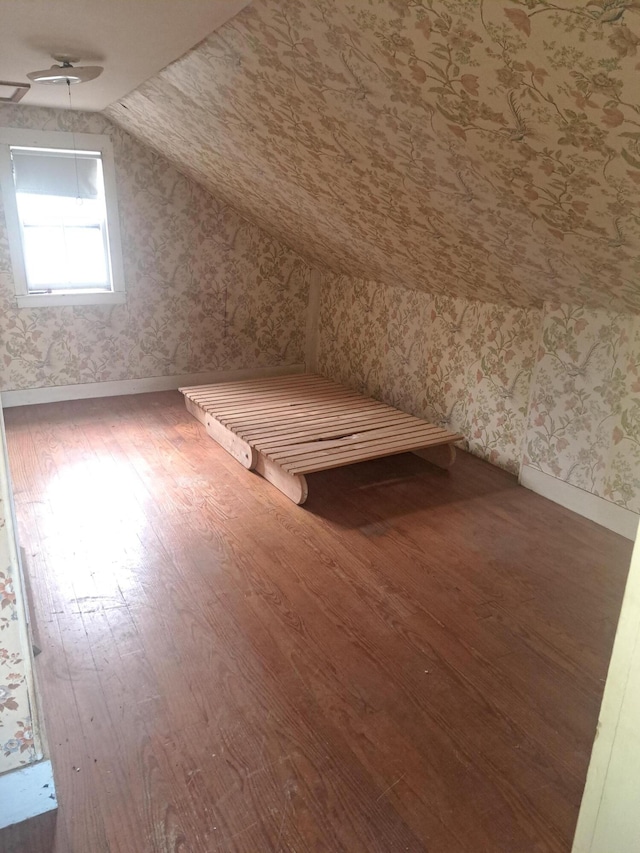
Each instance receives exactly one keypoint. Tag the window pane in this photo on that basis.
(48, 209)
(44, 255)
(85, 251)
(65, 244)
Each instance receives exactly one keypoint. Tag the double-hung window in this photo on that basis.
(61, 210)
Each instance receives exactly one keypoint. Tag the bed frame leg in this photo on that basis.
(294, 486)
(233, 444)
(194, 410)
(442, 455)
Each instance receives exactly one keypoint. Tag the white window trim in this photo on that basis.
(57, 139)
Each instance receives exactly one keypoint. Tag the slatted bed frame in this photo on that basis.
(290, 426)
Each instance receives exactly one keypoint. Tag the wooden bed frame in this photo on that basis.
(290, 426)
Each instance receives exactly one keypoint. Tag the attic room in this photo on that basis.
(320, 407)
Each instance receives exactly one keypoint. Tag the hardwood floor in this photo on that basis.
(413, 661)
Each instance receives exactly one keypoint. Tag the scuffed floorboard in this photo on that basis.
(413, 663)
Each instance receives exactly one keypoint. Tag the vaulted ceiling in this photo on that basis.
(485, 148)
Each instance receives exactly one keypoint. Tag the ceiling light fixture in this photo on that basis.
(66, 74)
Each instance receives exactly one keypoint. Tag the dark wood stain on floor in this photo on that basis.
(413, 661)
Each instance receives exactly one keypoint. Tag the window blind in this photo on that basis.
(56, 173)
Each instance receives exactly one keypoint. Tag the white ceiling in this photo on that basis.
(132, 39)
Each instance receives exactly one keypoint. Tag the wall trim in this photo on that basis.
(604, 512)
(26, 792)
(84, 391)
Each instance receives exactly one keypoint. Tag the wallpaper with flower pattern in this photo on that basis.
(206, 290)
(16, 736)
(584, 422)
(480, 148)
(557, 389)
(464, 364)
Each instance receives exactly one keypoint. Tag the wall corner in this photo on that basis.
(313, 316)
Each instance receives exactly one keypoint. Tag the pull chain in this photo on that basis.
(75, 149)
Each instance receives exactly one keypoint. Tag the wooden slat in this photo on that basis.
(284, 402)
(357, 439)
(259, 393)
(307, 414)
(331, 429)
(267, 381)
(336, 418)
(360, 451)
(339, 461)
(291, 426)
(262, 386)
(347, 400)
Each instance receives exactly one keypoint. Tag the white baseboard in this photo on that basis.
(609, 515)
(57, 393)
(26, 792)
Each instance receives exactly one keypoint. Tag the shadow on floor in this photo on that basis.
(370, 494)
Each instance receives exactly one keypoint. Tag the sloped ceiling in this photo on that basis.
(485, 149)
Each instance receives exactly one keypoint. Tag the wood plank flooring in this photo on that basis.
(413, 661)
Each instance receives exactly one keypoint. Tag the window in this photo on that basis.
(61, 211)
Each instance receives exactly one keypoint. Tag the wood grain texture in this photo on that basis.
(414, 662)
(294, 486)
(36, 835)
(290, 426)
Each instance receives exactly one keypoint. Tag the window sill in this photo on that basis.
(50, 300)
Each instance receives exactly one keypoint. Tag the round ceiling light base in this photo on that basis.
(65, 74)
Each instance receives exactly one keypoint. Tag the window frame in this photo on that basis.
(10, 136)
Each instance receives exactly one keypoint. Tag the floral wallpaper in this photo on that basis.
(205, 289)
(557, 389)
(488, 149)
(17, 745)
(462, 364)
(584, 422)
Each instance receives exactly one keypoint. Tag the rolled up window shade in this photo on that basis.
(58, 173)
